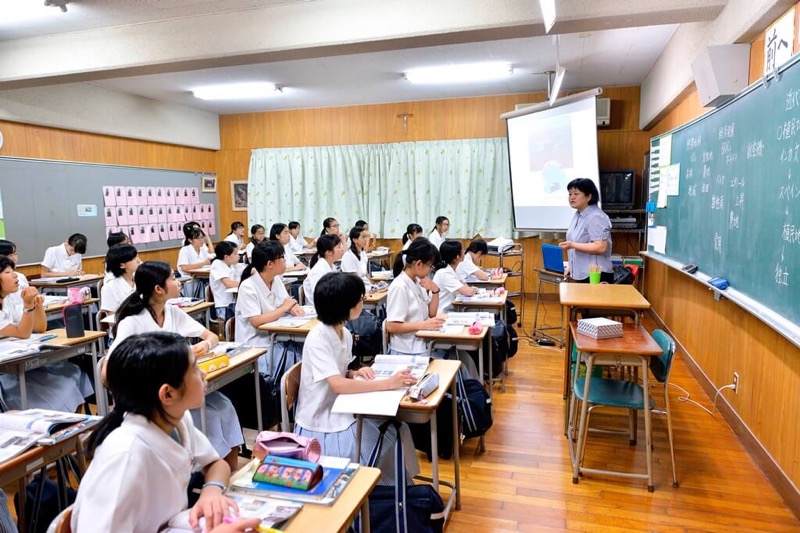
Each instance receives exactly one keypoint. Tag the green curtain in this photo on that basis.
(388, 185)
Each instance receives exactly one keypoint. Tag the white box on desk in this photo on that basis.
(600, 328)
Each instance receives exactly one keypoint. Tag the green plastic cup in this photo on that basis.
(594, 277)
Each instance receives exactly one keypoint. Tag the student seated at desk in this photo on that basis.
(472, 259)
(223, 277)
(439, 232)
(194, 254)
(146, 448)
(324, 375)
(146, 311)
(446, 278)
(263, 299)
(413, 299)
(114, 238)
(280, 234)
(413, 232)
(355, 259)
(236, 236)
(188, 227)
(329, 251)
(122, 260)
(60, 386)
(363, 224)
(65, 259)
(9, 249)
(297, 242)
(330, 226)
(257, 235)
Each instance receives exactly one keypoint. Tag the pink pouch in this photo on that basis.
(287, 445)
(77, 295)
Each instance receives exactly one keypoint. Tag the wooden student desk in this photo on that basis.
(54, 287)
(281, 333)
(53, 312)
(496, 305)
(491, 283)
(338, 516)
(375, 299)
(240, 365)
(634, 348)
(420, 413)
(198, 273)
(91, 342)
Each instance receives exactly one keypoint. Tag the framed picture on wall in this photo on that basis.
(208, 183)
(239, 195)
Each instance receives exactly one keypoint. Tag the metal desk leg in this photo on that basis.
(365, 515)
(648, 429)
(359, 428)
(23, 391)
(258, 396)
(434, 451)
(99, 390)
(456, 444)
(583, 423)
(480, 358)
(203, 418)
(208, 318)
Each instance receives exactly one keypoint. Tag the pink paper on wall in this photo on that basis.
(141, 195)
(142, 212)
(168, 194)
(122, 216)
(161, 198)
(134, 234)
(187, 213)
(173, 233)
(163, 232)
(195, 212)
(153, 230)
(111, 216)
(120, 195)
(162, 214)
(211, 216)
(133, 215)
(177, 192)
(109, 200)
(203, 226)
(144, 235)
(195, 195)
(187, 200)
(152, 214)
(212, 230)
(151, 196)
(130, 193)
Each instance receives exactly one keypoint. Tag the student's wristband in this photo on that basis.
(436, 292)
(217, 484)
(31, 310)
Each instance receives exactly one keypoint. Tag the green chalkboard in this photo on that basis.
(737, 213)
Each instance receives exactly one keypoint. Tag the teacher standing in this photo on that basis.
(589, 235)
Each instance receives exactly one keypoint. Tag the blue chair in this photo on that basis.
(625, 395)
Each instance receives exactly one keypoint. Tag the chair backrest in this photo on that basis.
(209, 294)
(385, 337)
(104, 326)
(660, 366)
(63, 521)
(301, 295)
(230, 330)
(290, 386)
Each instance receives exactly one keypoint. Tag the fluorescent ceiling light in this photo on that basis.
(548, 13)
(557, 81)
(465, 73)
(22, 10)
(236, 91)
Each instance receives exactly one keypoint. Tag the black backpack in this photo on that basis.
(367, 335)
(500, 349)
(476, 407)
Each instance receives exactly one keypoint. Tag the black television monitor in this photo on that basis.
(617, 189)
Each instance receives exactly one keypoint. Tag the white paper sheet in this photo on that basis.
(381, 403)
(657, 238)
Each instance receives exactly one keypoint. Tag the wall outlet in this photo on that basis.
(736, 383)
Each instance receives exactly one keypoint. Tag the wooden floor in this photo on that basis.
(523, 482)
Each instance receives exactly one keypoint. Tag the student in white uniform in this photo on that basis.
(279, 233)
(298, 242)
(330, 226)
(413, 232)
(146, 448)
(146, 311)
(329, 251)
(470, 266)
(363, 224)
(10, 249)
(355, 259)
(413, 299)
(236, 236)
(194, 254)
(60, 386)
(439, 232)
(262, 299)
(65, 259)
(446, 278)
(257, 235)
(223, 277)
(188, 227)
(114, 238)
(122, 260)
(324, 375)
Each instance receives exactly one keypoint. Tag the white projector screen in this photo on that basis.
(548, 148)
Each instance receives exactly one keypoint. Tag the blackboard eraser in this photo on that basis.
(690, 268)
(718, 283)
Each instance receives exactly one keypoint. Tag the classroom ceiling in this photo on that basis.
(346, 62)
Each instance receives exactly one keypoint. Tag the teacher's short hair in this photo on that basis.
(587, 187)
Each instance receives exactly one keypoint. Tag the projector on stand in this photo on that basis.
(499, 245)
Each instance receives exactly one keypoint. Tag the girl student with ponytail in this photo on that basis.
(146, 311)
(413, 299)
(146, 448)
(413, 232)
(257, 235)
(279, 233)
(122, 260)
(222, 277)
(452, 253)
(363, 224)
(262, 298)
(354, 259)
(330, 226)
(236, 236)
(439, 231)
(60, 386)
(470, 266)
(329, 251)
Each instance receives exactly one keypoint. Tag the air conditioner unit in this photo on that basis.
(603, 106)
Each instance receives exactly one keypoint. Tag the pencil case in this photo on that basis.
(286, 472)
(213, 361)
(284, 444)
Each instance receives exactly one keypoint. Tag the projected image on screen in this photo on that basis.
(547, 149)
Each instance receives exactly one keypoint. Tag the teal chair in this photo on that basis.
(627, 395)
